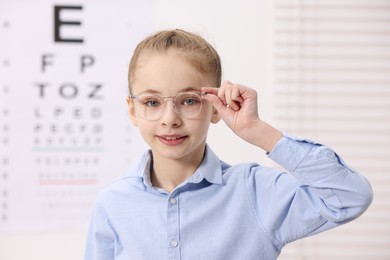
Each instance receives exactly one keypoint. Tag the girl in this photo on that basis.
(180, 201)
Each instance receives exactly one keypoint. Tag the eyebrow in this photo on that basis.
(189, 89)
(152, 91)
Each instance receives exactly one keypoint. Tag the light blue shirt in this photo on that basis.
(225, 212)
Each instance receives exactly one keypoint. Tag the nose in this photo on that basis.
(169, 115)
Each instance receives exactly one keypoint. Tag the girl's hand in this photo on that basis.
(237, 106)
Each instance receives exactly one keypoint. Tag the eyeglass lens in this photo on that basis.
(151, 107)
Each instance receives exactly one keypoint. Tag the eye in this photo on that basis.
(149, 101)
(152, 103)
(191, 101)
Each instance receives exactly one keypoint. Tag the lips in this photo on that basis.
(172, 139)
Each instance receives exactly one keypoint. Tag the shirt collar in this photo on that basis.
(209, 169)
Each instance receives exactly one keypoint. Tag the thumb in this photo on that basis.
(211, 96)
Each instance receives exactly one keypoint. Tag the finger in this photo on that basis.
(211, 96)
(236, 95)
(236, 98)
(231, 93)
(209, 90)
(227, 94)
(222, 91)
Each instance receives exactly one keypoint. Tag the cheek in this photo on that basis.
(203, 130)
(202, 125)
(145, 129)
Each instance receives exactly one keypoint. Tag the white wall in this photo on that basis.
(239, 30)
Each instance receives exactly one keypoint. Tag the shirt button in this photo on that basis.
(173, 243)
(173, 201)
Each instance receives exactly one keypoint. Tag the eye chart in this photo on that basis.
(64, 127)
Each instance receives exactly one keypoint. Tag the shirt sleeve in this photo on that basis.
(320, 192)
(100, 239)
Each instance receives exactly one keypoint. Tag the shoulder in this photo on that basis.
(131, 182)
(252, 173)
(117, 188)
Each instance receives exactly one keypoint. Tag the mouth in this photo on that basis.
(172, 139)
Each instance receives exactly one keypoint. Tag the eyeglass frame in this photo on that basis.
(173, 98)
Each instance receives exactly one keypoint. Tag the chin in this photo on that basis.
(177, 153)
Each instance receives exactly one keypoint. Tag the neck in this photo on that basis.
(169, 173)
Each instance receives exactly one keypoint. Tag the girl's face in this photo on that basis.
(171, 136)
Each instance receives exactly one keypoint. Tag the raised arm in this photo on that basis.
(320, 192)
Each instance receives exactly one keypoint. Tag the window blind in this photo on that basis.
(331, 83)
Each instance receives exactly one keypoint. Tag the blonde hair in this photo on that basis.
(196, 50)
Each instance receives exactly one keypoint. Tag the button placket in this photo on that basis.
(173, 227)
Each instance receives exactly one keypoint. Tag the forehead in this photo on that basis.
(167, 72)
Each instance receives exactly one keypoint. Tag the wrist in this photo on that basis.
(266, 136)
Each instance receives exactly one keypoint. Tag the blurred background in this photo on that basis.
(322, 70)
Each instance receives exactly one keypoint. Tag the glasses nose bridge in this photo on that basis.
(166, 98)
(173, 99)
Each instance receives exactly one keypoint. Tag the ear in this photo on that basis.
(215, 117)
(130, 105)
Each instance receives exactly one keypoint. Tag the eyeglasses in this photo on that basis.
(151, 106)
